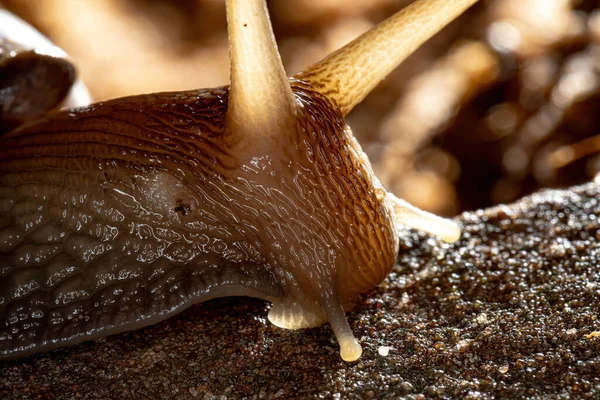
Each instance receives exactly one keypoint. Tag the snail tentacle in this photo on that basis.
(350, 349)
(261, 102)
(409, 215)
(349, 74)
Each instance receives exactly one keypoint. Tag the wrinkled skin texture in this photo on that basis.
(147, 205)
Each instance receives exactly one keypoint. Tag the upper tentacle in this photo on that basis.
(260, 99)
(349, 74)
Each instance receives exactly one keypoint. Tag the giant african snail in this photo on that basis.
(120, 214)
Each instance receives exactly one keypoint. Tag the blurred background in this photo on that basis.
(502, 102)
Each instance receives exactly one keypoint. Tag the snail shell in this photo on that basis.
(122, 213)
(36, 77)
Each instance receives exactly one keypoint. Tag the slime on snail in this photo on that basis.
(120, 214)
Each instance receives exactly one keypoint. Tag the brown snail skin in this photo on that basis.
(120, 214)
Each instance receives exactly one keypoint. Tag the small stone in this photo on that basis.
(407, 387)
(384, 351)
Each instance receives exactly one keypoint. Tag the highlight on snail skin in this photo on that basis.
(120, 214)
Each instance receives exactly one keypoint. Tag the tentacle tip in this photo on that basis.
(451, 233)
(350, 349)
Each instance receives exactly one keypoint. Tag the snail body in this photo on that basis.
(117, 215)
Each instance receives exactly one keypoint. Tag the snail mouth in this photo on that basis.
(289, 313)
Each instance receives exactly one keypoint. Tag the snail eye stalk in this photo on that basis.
(349, 74)
(261, 102)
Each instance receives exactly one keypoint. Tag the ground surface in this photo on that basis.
(509, 311)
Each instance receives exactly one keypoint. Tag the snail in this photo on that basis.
(120, 214)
